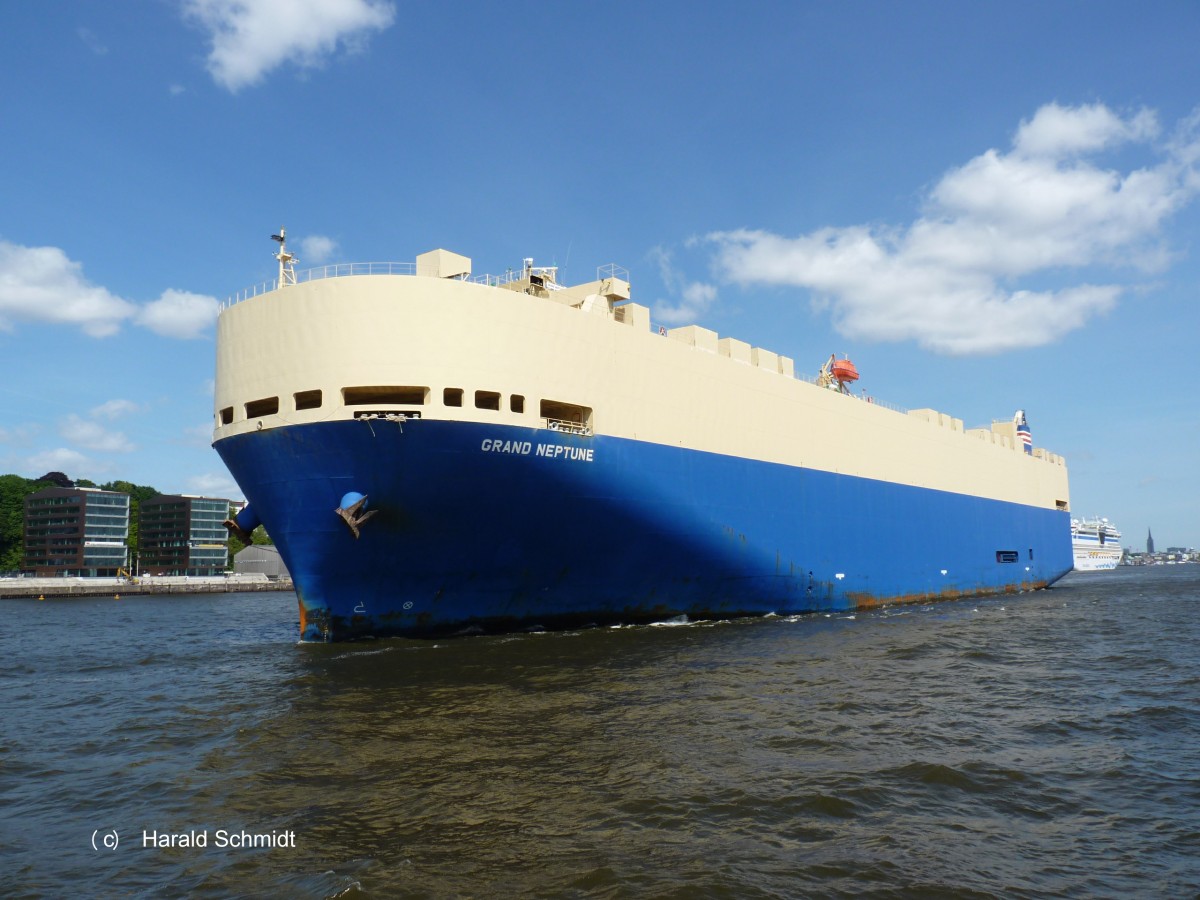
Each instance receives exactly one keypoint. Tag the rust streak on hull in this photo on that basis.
(861, 600)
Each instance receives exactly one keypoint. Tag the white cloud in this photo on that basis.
(114, 409)
(93, 43)
(1058, 131)
(43, 285)
(197, 435)
(40, 284)
(212, 484)
(179, 314)
(59, 460)
(317, 248)
(949, 279)
(252, 37)
(20, 435)
(92, 435)
(689, 299)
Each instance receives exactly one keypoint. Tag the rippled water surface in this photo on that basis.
(1040, 745)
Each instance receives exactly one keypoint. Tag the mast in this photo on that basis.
(287, 261)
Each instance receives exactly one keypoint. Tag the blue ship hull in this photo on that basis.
(501, 528)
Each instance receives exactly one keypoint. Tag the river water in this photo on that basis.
(1038, 745)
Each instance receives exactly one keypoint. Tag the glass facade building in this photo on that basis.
(76, 532)
(182, 535)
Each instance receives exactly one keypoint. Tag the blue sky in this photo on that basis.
(987, 206)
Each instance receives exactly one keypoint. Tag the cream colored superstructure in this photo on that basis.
(528, 338)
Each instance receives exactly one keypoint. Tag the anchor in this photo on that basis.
(243, 524)
(238, 532)
(351, 512)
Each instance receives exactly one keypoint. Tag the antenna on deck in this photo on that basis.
(287, 261)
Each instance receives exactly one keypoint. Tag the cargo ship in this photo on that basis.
(434, 451)
(1096, 544)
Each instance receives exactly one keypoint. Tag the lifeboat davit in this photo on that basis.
(844, 370)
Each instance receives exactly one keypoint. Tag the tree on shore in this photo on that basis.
(13, 491)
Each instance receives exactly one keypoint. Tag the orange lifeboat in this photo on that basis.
(844, 370)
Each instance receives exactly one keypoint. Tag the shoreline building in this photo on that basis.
(261, 559)
(182, 534)
(76, 531)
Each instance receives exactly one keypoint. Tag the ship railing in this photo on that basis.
(612, 270)
(317, 273)
(862, 395)
(875, 401)
(497, 280)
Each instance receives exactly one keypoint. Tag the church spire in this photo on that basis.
(1149, 542)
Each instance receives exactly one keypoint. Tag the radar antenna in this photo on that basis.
(287, 261)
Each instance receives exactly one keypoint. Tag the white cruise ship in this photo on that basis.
(1096, 544)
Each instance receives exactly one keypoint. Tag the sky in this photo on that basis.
(987, 206)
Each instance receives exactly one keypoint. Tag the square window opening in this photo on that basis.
(268, 406)
(307, 399)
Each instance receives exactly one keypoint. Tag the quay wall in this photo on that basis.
(18, 588)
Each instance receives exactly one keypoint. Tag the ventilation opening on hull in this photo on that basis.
(227, 415)
(1061, 504)
(561, 416)
(307, 399)
(487, 400)
(256, 409)
(369, 395)
(516, 403)
(452, 397)
(1007, 556)
(395, 415)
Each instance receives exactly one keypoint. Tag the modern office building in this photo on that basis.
(76, 532)
(179, 534)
